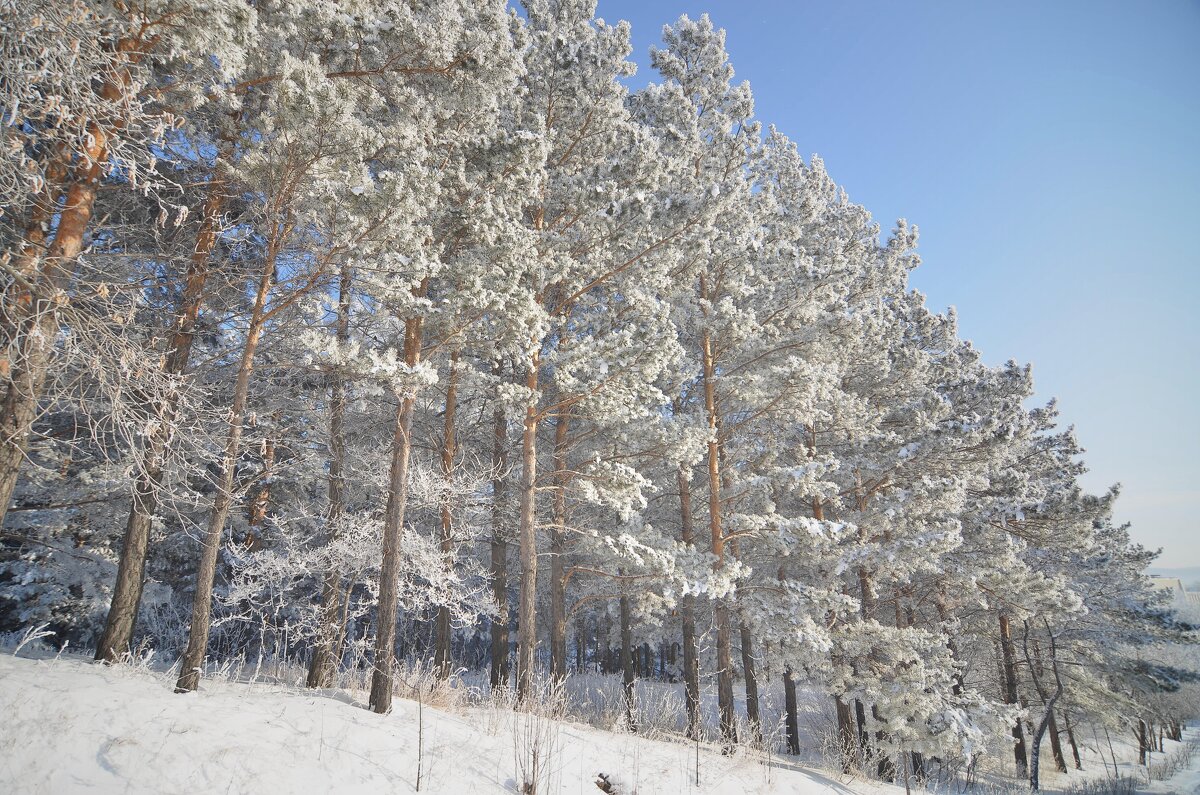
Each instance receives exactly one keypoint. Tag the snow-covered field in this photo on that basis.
(70, 726)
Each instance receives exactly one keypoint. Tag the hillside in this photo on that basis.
(72, 725)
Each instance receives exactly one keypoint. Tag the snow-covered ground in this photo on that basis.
(1187, 780)
(70, 725)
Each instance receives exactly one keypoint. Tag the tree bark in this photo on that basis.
(193, 656)
(864, 737)
(36, 326)
(127, 591)
(323, 665)
(527, 610)
(792, 719)
(845, 733)
(687, 609)
(1071, 740)
(1009, 668)
(580, 643)
(1052, 727)
(558, 541)
(885, 767)
(499, 569)
(916, 758)
(721, 616)
(627, 676)
(751, 682)
(449, 451)
(393, 526)
(1056, 749)
(1047, 718)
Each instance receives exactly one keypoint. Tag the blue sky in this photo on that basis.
(1048, 153)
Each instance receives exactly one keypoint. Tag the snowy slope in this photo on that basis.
(70, 725)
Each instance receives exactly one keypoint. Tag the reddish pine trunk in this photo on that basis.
(33, 341)
(558, 542)
(193, 656)
(37, 321)
(449, 451)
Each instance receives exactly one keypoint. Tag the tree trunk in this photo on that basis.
(1071, 741)
(527, 610)
(910, 619)
(323, 665)
(606, 666)
(193, 656)
(558, 541)
(721, 616)
(1036, 743)
(845, 733)
(37, 323)
(499, 570)
(393, 526)
(1009, 668)
(885, 767)
(1052, 726)
(127, 591)
(1056, 749)
(792, 720)
(864, 737)
(580, 643)
(751, 677)
(687, 609)
(441, 655)
(36, 332)
(627, 677)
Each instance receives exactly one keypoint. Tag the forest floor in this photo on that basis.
(71, 725)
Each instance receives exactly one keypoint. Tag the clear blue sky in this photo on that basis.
(1048, 152)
